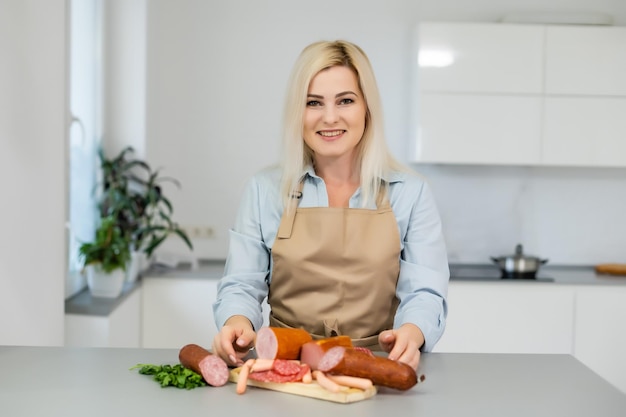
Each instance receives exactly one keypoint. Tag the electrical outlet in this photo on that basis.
(207, 232)
(199, 232)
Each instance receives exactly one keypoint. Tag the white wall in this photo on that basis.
(125, 73)
(32, 171)
(216, 77)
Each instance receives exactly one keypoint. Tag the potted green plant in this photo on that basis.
(133, 194)
(105, 259)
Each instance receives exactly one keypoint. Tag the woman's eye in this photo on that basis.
(313, 103)
(346, 101)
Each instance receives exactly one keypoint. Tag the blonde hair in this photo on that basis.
(374, 158)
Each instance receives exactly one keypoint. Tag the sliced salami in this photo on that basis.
(364, 349)
(304, 369)
(283, 371)
(272, 376)
(285, 367)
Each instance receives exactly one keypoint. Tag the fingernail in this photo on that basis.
(232, 359)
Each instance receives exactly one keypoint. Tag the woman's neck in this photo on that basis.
(341, 178)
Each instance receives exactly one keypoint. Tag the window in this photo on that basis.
(85, 106)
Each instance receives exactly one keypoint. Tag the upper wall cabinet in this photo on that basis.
(479, 129)
(493, 93)
(479, 93)
(587, 131)
(586, 60)
(585, 97)
(480, 58)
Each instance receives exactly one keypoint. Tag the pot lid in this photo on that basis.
(519, 253)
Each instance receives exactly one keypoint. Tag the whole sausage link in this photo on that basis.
(212, 368)
(325, 382)
(242, 381)
(262, 365)
(351, 381)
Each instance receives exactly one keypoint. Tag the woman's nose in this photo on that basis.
(331, 115)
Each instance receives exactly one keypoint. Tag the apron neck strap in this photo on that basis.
(286, 223)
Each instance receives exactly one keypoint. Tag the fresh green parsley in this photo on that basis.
(172, 375)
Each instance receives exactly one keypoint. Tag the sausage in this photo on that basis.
(312, 352)
(351, 381)
(242, 382)
(326, 382)
(261, 365)
(212, 368)
(280, 343)
(382, 371)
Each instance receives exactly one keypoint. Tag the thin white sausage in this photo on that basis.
(242, 382)
(325, 382)
(261, 365)
(307, 378)
(351, 381)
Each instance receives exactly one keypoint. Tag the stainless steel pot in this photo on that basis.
(519, 264)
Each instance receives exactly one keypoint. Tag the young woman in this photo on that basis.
(340, 238)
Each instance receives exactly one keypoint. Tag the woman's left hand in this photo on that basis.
(403, 344)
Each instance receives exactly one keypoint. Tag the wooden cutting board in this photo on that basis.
(312, 390)
(611, 269)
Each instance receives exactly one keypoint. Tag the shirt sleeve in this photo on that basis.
(424, 273)
(244, 284)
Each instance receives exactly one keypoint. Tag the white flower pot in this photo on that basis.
(137, 264)
(105, 285)
(133, 268)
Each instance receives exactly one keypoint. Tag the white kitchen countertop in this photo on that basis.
(549, 274)
(97, 382)
(557, 274)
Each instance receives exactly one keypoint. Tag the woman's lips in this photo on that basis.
(330, 135)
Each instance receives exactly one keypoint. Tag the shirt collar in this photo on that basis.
(389, 177)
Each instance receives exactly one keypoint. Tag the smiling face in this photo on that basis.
(334, 117)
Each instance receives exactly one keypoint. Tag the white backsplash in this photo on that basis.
(571, 216)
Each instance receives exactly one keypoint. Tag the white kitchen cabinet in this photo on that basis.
(509, 317)
(481, 58)
(479, 129)
(513, 94)
(585, 131)
(483, 105)
(120, 328)
(600, 337)
(178, 310)
(584, 60)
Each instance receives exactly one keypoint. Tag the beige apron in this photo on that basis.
(335, 272)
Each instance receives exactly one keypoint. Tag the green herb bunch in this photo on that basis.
(172, 375)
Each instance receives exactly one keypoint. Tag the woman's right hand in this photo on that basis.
(235, 340)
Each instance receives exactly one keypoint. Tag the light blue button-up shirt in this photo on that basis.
(423, 282)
